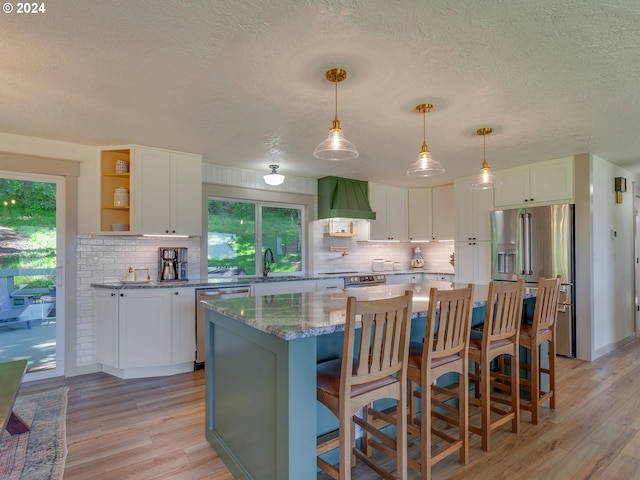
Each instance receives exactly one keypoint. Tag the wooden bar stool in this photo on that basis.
(532, 335)
(447, 351)
(499, 336)
(374, 369)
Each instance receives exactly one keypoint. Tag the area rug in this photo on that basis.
(40, 453)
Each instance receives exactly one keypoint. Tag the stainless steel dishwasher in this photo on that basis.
(212, 293)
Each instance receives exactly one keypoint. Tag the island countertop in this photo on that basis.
(298, 315)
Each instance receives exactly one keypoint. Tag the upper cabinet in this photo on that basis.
(443, 213)
(150, 191)
(390, 204)
(169, 192)
(420, 214)
(542, 183)
(431, 213)
(472, 211)
(115, 186)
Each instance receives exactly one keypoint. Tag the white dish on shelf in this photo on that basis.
(135, 281)
(119, 227)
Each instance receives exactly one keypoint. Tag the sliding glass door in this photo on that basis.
(31, 262)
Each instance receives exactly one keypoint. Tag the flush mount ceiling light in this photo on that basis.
(273, 178)
(485, 179)
(336, 147)
(425, 166)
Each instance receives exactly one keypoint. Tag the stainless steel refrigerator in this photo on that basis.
(530, 243)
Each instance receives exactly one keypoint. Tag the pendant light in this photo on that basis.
(273, 178)
(336, 147)
(425, 166)
(485, 179)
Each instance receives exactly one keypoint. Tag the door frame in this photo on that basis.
(636, 242)
(68, 170)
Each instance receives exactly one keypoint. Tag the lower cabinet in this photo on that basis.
(473, 262)
(296, 286)
(144, 332)
(439, 277)
(183, 325)
(404, 278)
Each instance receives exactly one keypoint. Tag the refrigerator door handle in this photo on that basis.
(526, 243)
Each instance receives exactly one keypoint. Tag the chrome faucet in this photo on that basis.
(267, 262)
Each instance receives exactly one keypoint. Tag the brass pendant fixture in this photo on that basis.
(485, 179)
(425, 166)
(336, 147)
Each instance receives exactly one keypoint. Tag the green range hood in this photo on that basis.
(344, 197)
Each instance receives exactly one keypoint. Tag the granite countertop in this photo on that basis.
(298, 315)
(236, 281)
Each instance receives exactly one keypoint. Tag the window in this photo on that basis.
(239, 232)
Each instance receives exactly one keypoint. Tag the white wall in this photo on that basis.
(613, 260)
(605, 265)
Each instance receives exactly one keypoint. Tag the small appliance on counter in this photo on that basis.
(172, 264)
(417, 261)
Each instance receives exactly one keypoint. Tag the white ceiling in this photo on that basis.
(243, 82)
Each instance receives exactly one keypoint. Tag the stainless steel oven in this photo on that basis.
(212, 293)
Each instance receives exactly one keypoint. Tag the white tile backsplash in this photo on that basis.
(360, 255)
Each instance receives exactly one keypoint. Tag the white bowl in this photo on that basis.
(119, 227)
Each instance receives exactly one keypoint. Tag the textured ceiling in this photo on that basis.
(242, 82)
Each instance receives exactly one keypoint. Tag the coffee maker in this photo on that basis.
(172, 264)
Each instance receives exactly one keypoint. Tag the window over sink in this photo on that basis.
(240, 231)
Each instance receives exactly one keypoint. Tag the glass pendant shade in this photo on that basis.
(425, 166)
(336, 147)
(485, 180)
(273, 178)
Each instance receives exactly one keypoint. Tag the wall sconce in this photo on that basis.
(620, 186)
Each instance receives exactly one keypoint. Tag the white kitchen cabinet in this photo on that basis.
(105, 321)
(391, 206)
(439, 277)
(274, 287)
(472, 212)
(144, 335)
(473, 262)
(404, 278)
(431, 213)
(443, 212)
(168, 192)
(542, 183)
(420, 214)
(144, 332)
(183, 325)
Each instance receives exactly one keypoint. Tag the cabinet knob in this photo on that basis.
(531, 199)
(176, 293)
(122, 294)
(166, 231)
(526, 200)
(113, 294)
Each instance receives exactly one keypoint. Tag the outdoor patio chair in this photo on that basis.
(8, 311)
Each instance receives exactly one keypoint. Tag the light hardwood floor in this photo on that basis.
(154, 429)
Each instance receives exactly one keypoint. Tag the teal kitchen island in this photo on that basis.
(262, 416)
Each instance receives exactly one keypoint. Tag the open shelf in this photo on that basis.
(109, 181)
